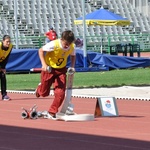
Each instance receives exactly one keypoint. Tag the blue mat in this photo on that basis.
(25, 59)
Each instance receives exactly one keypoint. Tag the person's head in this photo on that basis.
(67, 38)
(6, 40)
(51, 28)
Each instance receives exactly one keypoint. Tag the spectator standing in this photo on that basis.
(50, 35)
(5, 50)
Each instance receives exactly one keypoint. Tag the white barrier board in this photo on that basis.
(106, 106)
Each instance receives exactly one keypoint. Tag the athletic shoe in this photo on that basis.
(6, 98)
(47, 115)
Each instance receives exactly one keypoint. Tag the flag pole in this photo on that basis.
(16, 22)
(84, 35)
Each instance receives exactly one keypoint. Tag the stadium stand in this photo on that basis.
(36, 16)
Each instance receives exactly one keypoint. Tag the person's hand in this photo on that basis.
(3, 70)
(46, 68)
(71, 70)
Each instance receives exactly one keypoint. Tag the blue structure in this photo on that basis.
(24, 60)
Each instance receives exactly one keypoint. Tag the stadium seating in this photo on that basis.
(36, 16)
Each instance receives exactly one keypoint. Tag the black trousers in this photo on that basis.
(3, 83)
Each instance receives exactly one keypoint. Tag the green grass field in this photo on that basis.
(114, 78)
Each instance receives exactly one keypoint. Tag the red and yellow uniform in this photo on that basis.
(56, 57)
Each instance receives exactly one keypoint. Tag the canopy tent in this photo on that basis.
(103, 17)
(99, 17)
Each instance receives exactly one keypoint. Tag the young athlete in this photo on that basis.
(5, 50)
(57, 52)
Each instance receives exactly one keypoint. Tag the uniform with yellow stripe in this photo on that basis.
(4, 53)
(58, 57)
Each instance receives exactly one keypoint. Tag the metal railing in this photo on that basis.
(104, 42)
(94, 43)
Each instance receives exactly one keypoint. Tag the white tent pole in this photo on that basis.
(84, 35)
(16, 22)
(101, 41)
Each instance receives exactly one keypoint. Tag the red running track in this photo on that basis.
(129, 131)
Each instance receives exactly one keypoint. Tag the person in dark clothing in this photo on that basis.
(5, 50)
